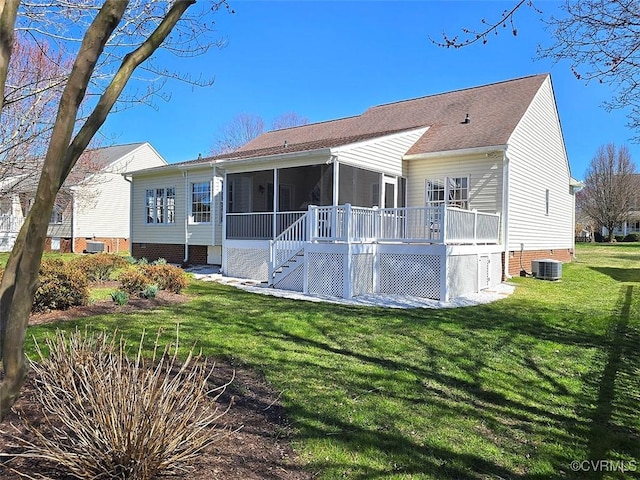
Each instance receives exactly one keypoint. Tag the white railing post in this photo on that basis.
(312, 222)
(377, 222)
(272, 261)
(475, 227)
(347, 222)
(443, 224)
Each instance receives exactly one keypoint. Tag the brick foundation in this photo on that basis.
(172, 253)
(563, 255)
(111, 245)
(65, 245)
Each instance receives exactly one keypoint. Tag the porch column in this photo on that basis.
(336, 180)
(276, 192)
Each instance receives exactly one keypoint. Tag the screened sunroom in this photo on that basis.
(260, 205)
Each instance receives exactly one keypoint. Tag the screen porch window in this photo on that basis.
(201, 202)
(450, 191)
(160, 205)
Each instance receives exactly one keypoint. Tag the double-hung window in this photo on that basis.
(201, 202)
(450, 191)
(160, 205)
(56, 216)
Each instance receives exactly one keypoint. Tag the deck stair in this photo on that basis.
(287, 251)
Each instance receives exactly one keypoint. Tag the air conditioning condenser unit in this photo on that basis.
(547, 269)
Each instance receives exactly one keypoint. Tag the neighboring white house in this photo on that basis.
(94, 206)
(437, 197)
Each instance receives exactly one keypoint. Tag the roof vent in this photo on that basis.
(285, 144)
(547, 269)
(466, 119)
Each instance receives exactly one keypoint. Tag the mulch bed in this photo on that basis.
(260, 449)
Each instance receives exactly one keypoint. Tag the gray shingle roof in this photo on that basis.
(494, 111)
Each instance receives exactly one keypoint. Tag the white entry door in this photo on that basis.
(390, 194)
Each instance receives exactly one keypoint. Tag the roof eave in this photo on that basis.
(234, 161)
(268, 158)
(456, 153)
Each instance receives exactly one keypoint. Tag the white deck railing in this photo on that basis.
(10, 223)
(344, 223)
(288, 243)
(259, 225)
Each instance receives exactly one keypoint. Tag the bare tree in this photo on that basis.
(141, 28)
(600, 39)
(609, 187)
(288, 120)
(240, 130)
(489, 27)
(244, 127)
(32, 92)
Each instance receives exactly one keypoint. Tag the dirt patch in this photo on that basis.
(260, 449)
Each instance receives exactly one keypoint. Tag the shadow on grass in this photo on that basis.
(613, 432)
(484, 392)
(620, 274)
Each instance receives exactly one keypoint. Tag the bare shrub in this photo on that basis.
(167, 277)
(61, 285)
(108, 416)
(133, 281)
(100, 266)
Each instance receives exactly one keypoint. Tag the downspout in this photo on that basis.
(186, 217)
(73, 220)
(130, 213)
(214, 210)
(505, 213)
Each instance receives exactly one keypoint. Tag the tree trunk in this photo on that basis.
(21, 274)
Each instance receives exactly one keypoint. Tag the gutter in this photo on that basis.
(456, 153)
(235, 161)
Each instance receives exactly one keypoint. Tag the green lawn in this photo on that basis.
(511, 390)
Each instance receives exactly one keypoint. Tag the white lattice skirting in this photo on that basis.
(413, 275)
(248, 263)
(334, 270)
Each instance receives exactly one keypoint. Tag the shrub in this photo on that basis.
(167, 277)
(632, 237)
(170, 422)
(120, 297)
(100, 266)
(150, 292)
(159, 261)
(133, 281)
(61, 286)
(619, 238)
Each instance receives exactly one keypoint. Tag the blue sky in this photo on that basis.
(331, 59)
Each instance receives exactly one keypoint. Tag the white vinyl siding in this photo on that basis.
(483, 172)
(102, 208)
(199, 233)
(62, 229)
(382, 154)
(539, 174)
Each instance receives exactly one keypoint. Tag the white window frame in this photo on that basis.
(160, 206)
(202, 216)
(57, 217)
(445, 193)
